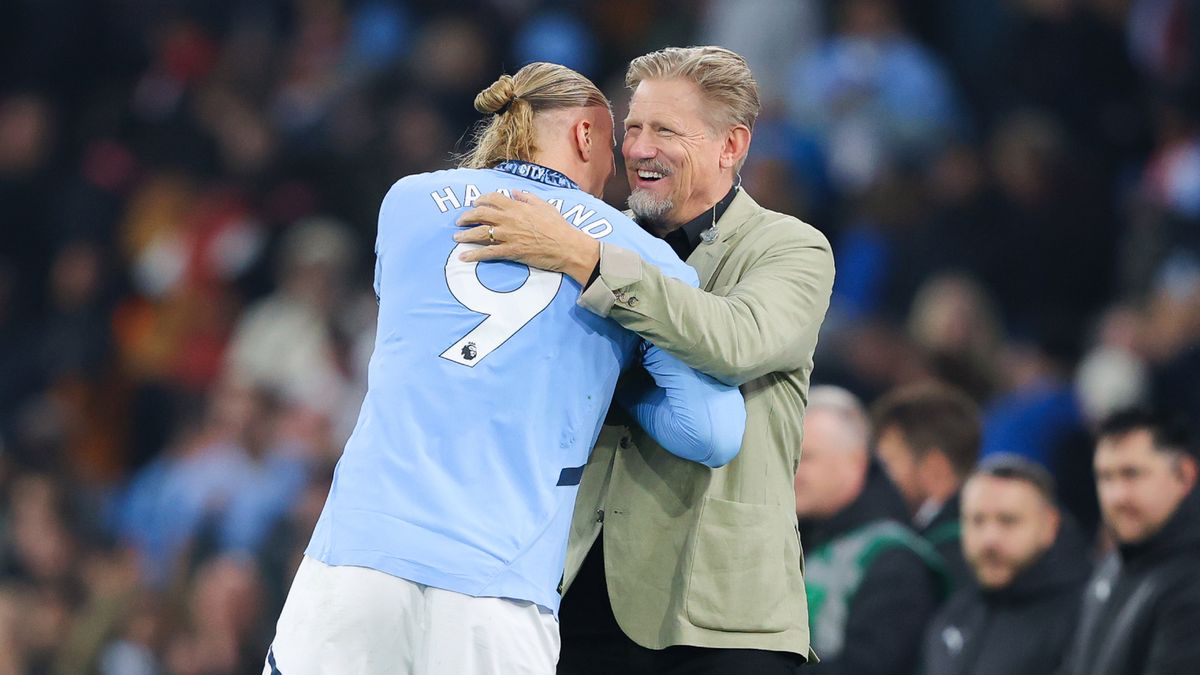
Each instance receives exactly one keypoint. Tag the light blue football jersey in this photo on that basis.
(486, 392)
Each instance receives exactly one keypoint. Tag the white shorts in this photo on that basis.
(354, 620)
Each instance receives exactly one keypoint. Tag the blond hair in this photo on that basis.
(723, 76)
(514, 101)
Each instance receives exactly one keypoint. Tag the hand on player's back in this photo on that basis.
(528, 230)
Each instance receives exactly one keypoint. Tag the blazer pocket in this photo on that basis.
(738, 580)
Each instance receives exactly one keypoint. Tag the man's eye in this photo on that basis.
(666, 132)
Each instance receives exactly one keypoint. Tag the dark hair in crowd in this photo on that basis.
(1171, 434)
(933, 415)
(1010, 466)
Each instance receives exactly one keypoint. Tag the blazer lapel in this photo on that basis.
(707, 258)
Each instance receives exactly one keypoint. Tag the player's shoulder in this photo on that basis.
(650, 248)
(430, 180)
(626, 232)
(603, 208)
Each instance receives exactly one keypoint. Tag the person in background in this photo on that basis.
(1029, 567)
(1142, 606)
(927, 437)
(873, 583)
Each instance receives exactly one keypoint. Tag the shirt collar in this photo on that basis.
(537, 172)
(929, 510)
(687, 237)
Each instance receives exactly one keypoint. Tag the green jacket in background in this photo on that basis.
(838, 567)
(699, 556)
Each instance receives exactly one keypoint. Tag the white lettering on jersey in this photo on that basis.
(447, 197)
(598, 229)
(577, 216)
(471, 196)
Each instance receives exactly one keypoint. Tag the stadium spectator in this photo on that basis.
(927, 437)
(959, 332)
(872, 582)
(1142, 606)
(300, 340)
(224, 485)
(874, 96)
(1029, 569)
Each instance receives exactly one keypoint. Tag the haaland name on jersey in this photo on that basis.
(578, 215)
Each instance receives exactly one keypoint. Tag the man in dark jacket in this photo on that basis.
(1141, 610)
(927, 436)
(1029, 570)
(872, 582)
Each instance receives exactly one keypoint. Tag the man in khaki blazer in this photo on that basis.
(701, 568)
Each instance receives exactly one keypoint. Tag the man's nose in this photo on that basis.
(989, 535)
(1116, 492)
(640, 148)
(1115, 498)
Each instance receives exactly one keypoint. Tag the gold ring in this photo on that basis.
(491, 234)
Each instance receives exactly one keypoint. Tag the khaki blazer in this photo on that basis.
(699, 556)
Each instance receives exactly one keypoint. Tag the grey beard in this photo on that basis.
(648, 208)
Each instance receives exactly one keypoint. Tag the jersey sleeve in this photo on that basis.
(660, 254)
(688, 413)
(653, 250)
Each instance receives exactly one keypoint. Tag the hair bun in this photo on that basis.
(497, 97)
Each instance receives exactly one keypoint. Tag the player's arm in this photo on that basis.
(766, 323)
(762, 325)
(688, 413)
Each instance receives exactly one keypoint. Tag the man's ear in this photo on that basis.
(1187, 470)
(583, 139)
(737, 144)
(1053, 523)
(934, 469)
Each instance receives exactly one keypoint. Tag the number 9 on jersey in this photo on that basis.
(507, 311)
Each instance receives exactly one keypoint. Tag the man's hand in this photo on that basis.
(527, 230)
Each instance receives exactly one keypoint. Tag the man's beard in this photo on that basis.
(1014, 567)
(648, 208)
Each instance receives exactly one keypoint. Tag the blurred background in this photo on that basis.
(188, 193)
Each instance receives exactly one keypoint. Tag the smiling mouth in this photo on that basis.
(650, 172)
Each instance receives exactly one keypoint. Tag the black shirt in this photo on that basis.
(685, 238)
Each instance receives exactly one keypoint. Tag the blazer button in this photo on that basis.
(625, 443)
(632, 301)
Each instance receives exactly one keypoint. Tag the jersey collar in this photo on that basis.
(541, 174)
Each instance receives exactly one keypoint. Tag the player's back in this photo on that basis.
(487, 387)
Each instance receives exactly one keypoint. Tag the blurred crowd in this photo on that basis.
(189, 190)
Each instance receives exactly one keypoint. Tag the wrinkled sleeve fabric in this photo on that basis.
(757, 328)
(690, 414)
